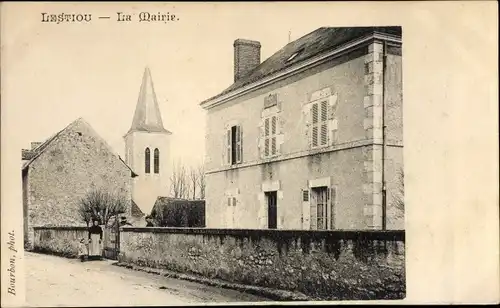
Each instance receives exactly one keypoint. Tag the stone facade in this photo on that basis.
(71, 163)
(323, 265)
(327, 134)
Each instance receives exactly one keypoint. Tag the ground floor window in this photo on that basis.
(319, 208)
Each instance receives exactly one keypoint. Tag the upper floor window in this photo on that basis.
(147, 160)
(319, 132)
(234, 148)
(157, 161)
(270, 133)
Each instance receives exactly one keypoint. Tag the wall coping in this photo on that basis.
(393, 235)
(75, 228)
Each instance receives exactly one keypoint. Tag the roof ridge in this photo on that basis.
(314, 43)
(41, 149)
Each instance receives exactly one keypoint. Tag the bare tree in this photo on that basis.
(201, 180)
(179, 181)
(101, 205)
(193, 177)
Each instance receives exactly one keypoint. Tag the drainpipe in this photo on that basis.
(384, 188)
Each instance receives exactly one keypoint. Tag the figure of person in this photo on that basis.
(95, 240)
(82, 249)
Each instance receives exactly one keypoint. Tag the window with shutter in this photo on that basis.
(270, 136)
(319, 131)
(234, 150)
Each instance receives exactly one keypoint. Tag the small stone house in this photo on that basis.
(311, 138)
(61, 170)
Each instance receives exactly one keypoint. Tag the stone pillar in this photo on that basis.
(373, 131)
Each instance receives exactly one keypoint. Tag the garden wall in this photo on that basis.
(325, 265)
(60, 240)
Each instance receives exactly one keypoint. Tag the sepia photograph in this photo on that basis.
(168, 160)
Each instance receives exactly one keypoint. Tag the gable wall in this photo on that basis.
(73, 164)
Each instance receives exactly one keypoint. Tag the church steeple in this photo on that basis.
(147, 116)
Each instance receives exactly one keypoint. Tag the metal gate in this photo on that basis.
(112, 241)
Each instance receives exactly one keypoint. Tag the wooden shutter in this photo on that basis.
(315, 120)
(306, 209)
(324, 123)
(332, 201)
(240, 154)
(332, 127)
(228, 146)
(237, 144)
(260, 140)
(313, 213)
(266, 137)
(315, 136)
(280, 137)
(273, 135)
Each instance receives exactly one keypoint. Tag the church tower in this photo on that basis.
(147, 149)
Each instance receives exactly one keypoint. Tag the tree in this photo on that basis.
(193, 177)
(101, 205)
(179, 181)
(201, 180)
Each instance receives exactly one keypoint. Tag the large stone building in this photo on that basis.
(147, 148)
(297, 142)
(57, 173)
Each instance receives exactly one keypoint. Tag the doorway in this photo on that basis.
(272, 210)
(319, 208)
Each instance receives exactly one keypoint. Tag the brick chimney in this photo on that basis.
(26, 154)
(246, 57)
(35, 145)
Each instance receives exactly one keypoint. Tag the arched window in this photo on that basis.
(147, 161)
(157, 161)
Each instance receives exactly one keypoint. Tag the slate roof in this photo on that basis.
(310, 45)
(161, 202)
(147, 116)
(36, 152)
(135, 210)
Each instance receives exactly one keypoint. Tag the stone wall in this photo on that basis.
(59, 240)
(326, 265)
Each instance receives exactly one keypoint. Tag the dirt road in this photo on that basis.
(53, 281)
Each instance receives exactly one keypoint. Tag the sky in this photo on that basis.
(60, 72)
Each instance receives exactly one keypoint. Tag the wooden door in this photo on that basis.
(272, 210)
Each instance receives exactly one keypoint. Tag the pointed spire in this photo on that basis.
(147, 116)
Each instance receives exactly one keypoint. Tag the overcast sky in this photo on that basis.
(59, 72)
